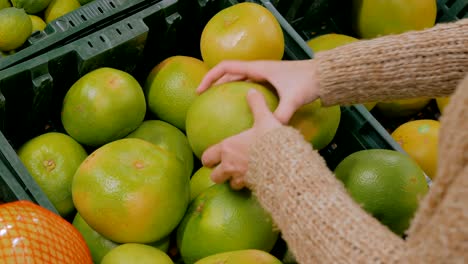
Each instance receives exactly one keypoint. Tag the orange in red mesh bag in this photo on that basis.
(32, 234)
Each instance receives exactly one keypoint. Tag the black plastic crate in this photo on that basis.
(74, 25)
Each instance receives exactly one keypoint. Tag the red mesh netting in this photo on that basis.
(32, 234)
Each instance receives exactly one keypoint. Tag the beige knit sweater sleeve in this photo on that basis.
(414, 64)
(318, 219)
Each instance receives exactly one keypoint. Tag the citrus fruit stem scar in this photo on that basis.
(49, 165)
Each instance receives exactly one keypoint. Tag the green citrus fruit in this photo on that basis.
(4, 4)
(52, 160)
(136, 253)
(167, 137)
(221, 220)
(131, 191)
(31, 6)
(386, 183)
(102, 106)
(317, 124)
(200, 181)
(220, 112)
(246, 256)
(15, 29)
(99, 245)
(170, 88)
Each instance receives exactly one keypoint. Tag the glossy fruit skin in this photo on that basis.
(245, 31)
(222, 111)
(170, 88)
(52, 160)
(220, 220)
(131, 191)
(102, 106)
(386, 183)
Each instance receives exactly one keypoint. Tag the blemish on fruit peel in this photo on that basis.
(200, 207)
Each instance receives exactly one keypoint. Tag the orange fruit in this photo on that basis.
(170, 88)
(102, 106)
(244, 31)
(99, 245)
(33, 234)
(442, 102)
(329, 41)
(420, 139)
(136, 253)
(167, 137)
(373, 18)
(402, 108)
(131, 191)
(200, 181)
(52, 159)
(246, 256)
(221, 220)
(386, 183)
(232, 115)
(317, 124)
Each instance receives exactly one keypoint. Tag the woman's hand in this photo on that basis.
(295, 81)
(231, 156)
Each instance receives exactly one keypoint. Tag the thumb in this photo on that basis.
(257, 104)
(285, 110)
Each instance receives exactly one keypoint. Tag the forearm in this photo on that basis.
(318, 219)
(426, 63)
